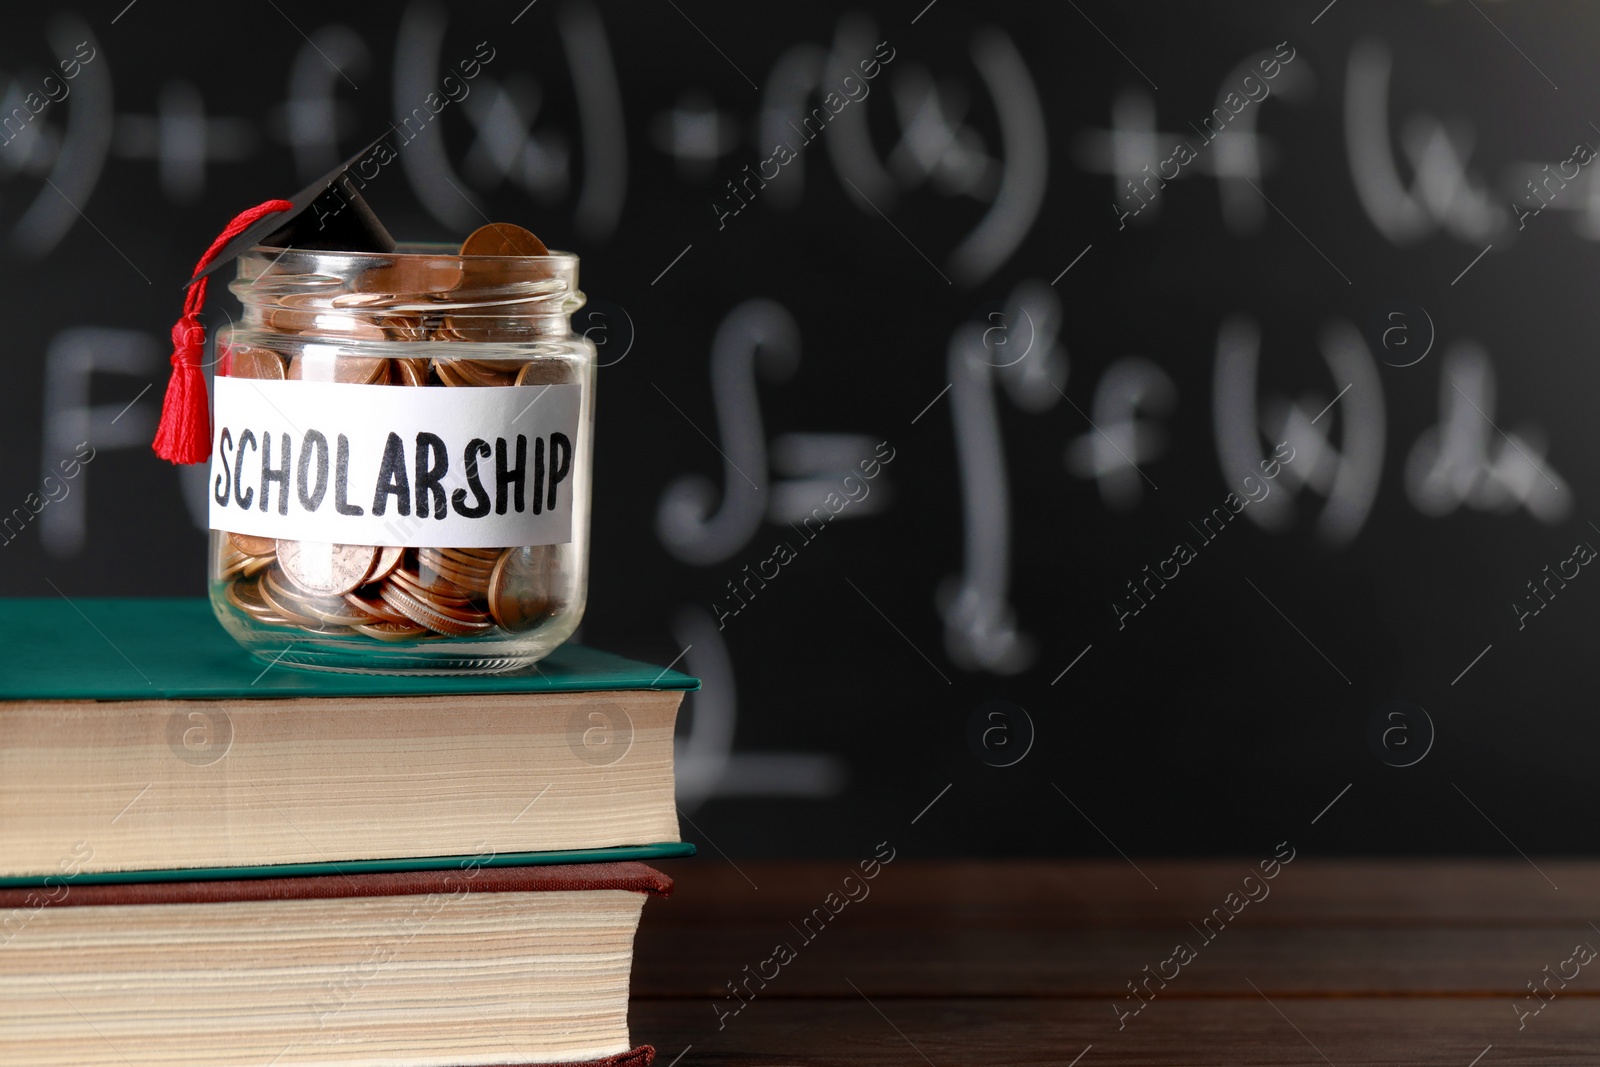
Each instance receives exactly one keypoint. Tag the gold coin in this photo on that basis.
(520, 588)
(502, 239)
(323, 569)
(249, 361)
(251, 545)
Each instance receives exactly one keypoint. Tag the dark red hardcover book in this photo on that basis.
(517, 966)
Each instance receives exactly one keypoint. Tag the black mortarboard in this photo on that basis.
(328, 214)
(339, 221)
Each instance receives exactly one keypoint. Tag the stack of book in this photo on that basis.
(207, 862)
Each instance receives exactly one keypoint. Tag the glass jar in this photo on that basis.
(401, 468)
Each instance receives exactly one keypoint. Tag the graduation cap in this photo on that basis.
(329, 214)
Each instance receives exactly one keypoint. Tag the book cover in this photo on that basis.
(136, 737)
(52, 648)
(516, 965)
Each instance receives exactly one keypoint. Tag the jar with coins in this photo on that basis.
(401, 456)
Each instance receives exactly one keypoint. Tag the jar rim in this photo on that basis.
(412, 250)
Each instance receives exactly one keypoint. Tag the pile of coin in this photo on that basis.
(391, 593)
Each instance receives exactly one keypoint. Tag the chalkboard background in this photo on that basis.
(950, 272)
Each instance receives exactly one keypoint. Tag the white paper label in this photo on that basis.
(385, 465)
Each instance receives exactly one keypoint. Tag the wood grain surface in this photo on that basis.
(1353, 962)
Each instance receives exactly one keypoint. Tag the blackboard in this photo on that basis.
(1224, 371)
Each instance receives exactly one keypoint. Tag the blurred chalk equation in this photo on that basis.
(704, 524)
(967, 178)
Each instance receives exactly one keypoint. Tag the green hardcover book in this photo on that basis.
(139, 743)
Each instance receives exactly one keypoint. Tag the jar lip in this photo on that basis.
(414, 250)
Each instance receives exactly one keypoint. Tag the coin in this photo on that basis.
(325, 569)
(276, 596)
(468, 560)
(411, 371)
(448, 374)
(484, 558)
(391, 593)
(403, 327)
(431, 615)
(438, 591)
(338, 367)
(251, 545)
(245, 595)
(375, 608)
(315, 300)
(231, 563)
(289, 320)
(520, 588)
(487, 328)
(546, 372)
(391, 631)
(389, 557)
(361, 300)
(502, 239)
(316, 612)
(248, 361)
(475, 372)
(408, 276)
(437, 573)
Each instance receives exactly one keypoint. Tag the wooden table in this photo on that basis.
(1343, 963)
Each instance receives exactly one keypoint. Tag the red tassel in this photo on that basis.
(184, 433)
